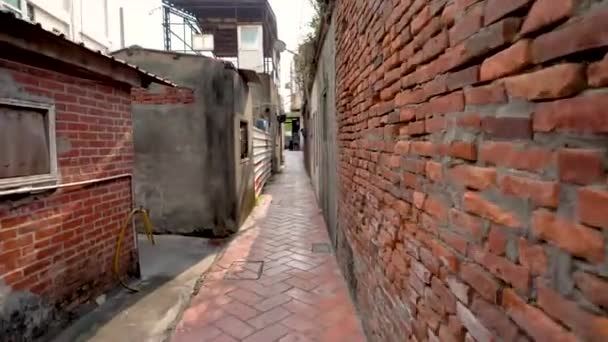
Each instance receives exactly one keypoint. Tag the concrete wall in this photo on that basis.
(245, 174)
(324, 133)
(187, 169)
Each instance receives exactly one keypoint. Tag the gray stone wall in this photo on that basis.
(188, 172)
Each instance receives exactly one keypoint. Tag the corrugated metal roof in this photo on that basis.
(9, 20)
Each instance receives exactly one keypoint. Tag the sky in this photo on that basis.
(293, 17)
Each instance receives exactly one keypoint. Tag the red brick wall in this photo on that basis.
(164, 95)
(474, 151)
(59, 245)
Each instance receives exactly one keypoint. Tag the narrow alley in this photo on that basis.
(303, 170)
(278, 279)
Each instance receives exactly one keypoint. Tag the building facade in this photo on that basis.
(102, 25)
(66, 151)
(199, 160)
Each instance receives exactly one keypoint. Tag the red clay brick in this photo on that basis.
(453, 102)
(434, 171)
(446, 298)
(582, 114)
(509, 61)
(573, 238)
(591, 208)
(469, 224)
(497, 241)
(402, 148)
(467, 25)
(486, 40)
(476, 204)
(516, 275)
(463, 78)
(541, 193)
(516, 156)
(433, 48)
(490, 94)
(420, 20)
(533, 320)
(585, 325)
(445, 256)
(496, 9)
(547, 12)
(436, 208)
(463, 150)
(455, 241)
(583, 34)
(551, 83)
(473, 325)
(459, 289)
(507, 127)
(473, 177)
(435, 124)
(580, 166)
(449, 14)
(533, 257)
(469, 121)
(593, 287)
(597, 73)
(423, 148)
(483, 283)
(493, 317)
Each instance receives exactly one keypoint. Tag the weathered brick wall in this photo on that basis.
(56, 247)
(163, 95)
(473, 143)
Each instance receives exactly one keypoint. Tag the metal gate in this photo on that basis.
(262, 158)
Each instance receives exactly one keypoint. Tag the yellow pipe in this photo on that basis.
(149, 233)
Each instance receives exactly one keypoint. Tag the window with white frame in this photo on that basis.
(250, 37)
(28, 151)
(14, 6)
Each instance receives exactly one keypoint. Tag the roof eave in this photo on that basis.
(32, 38)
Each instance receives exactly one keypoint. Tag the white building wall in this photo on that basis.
(54, 19)
(143, 24)
(96, 23)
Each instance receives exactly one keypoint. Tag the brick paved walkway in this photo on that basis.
(300, 294)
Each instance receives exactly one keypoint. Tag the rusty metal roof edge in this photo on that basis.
(37, 26)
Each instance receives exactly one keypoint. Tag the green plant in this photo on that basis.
(305, 65)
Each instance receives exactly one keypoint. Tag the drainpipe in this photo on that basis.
(72, 13)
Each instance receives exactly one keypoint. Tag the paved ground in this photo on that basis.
(296, 295)
(170, 270)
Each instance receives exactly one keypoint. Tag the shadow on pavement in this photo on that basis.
(170, 271)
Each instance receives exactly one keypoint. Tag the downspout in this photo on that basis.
(72, 21)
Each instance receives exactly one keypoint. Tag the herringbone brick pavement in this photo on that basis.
(269, 284)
